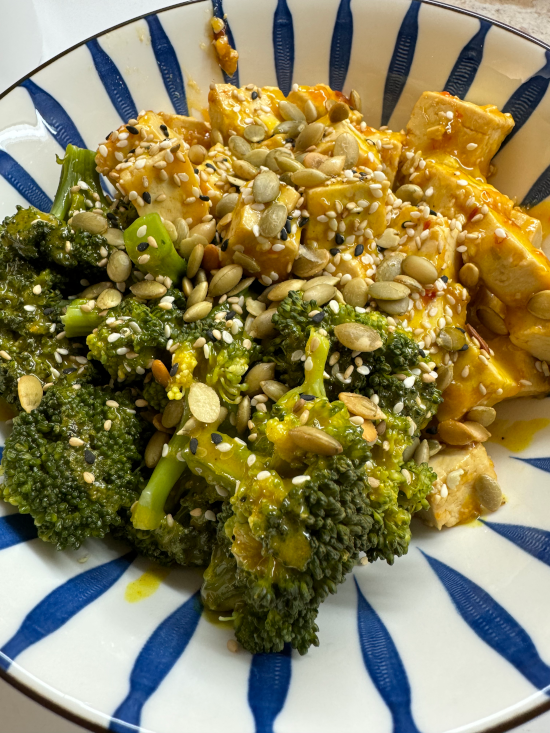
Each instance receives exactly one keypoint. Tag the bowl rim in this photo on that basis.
(38, 697)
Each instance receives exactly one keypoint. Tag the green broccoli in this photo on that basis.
(79, 186)
(72, 462)
(161, 257)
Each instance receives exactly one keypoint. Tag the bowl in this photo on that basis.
(455, 636)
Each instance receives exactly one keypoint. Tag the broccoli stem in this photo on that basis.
(78, 323)
(78, 166)
(314, 381)
(160, 260)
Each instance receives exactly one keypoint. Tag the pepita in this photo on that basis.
(451, 338)
(290, 111)
(310, 111)
(115, 237)
(160, 373)
(539, 305)
(225, 279)
(30, 392)
(289, 165)
(93, 291)
(266, 187)
(153, 451)
(198, 294)
(493, 321)
(89, 221)
(241, 285)
(310, 135)
(148, 289)
(314, 440)
(338, 112)
(274, 390)
(206, 229)
(422, 453)
(281, 290)
(483, 415)
(314, 159)
(245, 170)
(321, 293)
(273, 156)
(257, 157)
(290, 128)
(247, 263)
(108, 298)
(355, 292)
(254, 133)
(390, 267)
(462, 433)
(197, 312)
(273, 220)
(310, 262)
(259, 373)
(182, 229)
(333, 166)
(309, 177)
(388, 290)
(195, 259)
(186, 246)
(119, 266)
(243, 414)
(434, 446)
(359, 405)
(358, 336)
(394, 307)
(355, 100)
(410, 192)
(389, 239)
(172, 414)
(226, 204)
(410, 450)
(370, 434)
(203, 402)
(413, 285)
(320, 280)
(262, 326)
(445, 376)
(239, 147)
(488, 492)
(346, 144)
(197, 154)
(420, 269)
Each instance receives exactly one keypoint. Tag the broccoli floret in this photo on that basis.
(155, 394)
(79, 186)
(72, 462)
(161, 259)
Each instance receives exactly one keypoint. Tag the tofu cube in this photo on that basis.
(232, 109)
(529, 332)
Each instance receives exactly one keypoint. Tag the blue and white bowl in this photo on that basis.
(456, 636)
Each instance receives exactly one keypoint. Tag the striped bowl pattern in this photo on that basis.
(455, 636)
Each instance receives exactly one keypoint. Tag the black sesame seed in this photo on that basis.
(216, 438)
(339, 239)
(174, 369)
(243, 498)
(204, 198)
(109, 135)
(303, 220)
(196, 170)
(230, 315)
(133, 150)
(89, 457)
(465, 347)
(165, 130)
(289, 140)
(209, 165)
(132, 130)
(111, 216)
(318, 317)
(193, 445)
(380, 249)
(460, 329)
(288, 225)
(421, 352)
(47, 311)
(69, 370)
(334, 251)
(433, 213)
(142, 246)
(406, 224)
(254, 95)
(431, 431)
(307, 397)
(146, 196)
(225, 244)
(211, 336)
(445, 278)
(358, 250)
(283, 235)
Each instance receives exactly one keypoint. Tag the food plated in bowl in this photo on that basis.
(287, 337)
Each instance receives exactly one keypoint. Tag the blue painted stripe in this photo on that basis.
(23, 182)
(384, 665)
(58, 122)
(527, 98)
(161, 651)
(340, 47)
(469, 59)
(113, 81)
(531, 539)
(538, 191)
(218, 11)
(62, 604)
(168, 65)
(16, 528)
(542, 463)
(401, 61)
(283, 46)
(493, 624)
(268, 685)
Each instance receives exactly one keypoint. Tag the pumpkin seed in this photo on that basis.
(310, 111)
(160, 373)
(182, 229)
(190, 425)
(409, 451)
(434, 446)
(289, 165)
(422, 453)
(355, 100)
(451, 339)
(329, 104)
(420, 268)
(281, 290)
(389, 239)
(115, 237)
(388, 290)
(483, 415)
(243, 414)
(410, 192)
(355, 292)
(206, 229)
(259, 373)
(274, 390)
(225, 279)
(262, 327)
(247, 263)
(237, 182)
(290, 128)
(197, 312)
(254, 307)
(171, 229)
(413, 285)
(492, 321)
(370, 434)
(226, 204)
(89, 221)
(445, 376)
(108, 298)
(266, 187)
(273, 156)
(313, 159)
(239, 147)
(321, 293)
(204, 403)
(314, 440)
(310, 135)
(488, 492)
(462, 433)
(273, 220)
(200, 277)
(358, 336)
(195, 259)
(242, 285)
(254, 133)
(321, 280)
(539, 305)
(309, 177)
(390, 267)
(333, 166)
(359, 405)
(187, 287)
(311, 262)
(30, 392)
(186, 246)
(245, 170)
(198, 294)
(153, 451)
(257, 157)
(196, 154)
(94, 290)
(119, 266)
(173, 412)
(148, 289)
(346, 144)
(394, 307)
(338, 112)
(290, 111)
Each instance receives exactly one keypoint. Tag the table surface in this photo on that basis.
(36, 30)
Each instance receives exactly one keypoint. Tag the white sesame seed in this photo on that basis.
(209, 514)
(500, 233)
(224, 447)
(251, 460)
(471, 146)
(308, 364)
(298, 480)
(398, 407)
(196, 512)
(5, 355)
(88, 477)
(29, 308)
(263, 475)
(112, 403)
(409, 382)
(165, 450)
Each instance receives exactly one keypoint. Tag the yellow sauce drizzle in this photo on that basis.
(517, 435)
(145, 585)
(542, 213)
